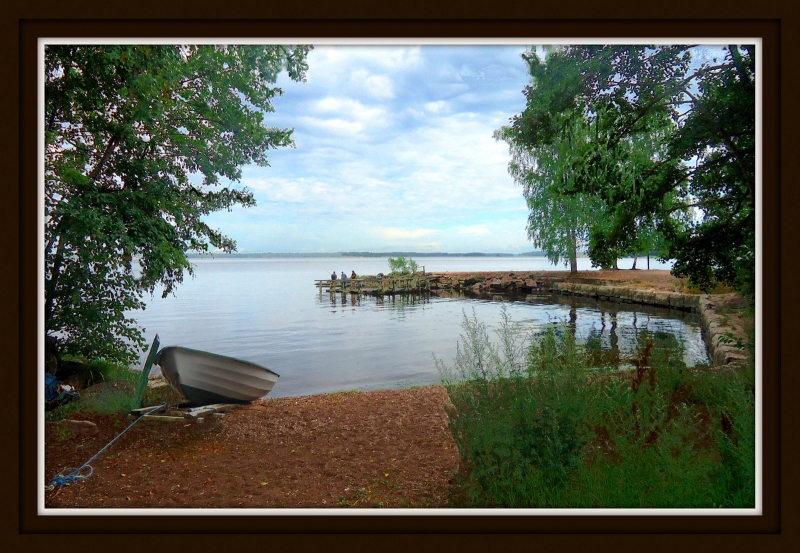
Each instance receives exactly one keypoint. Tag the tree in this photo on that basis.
(719, 134)
(623, 179)
(558, 223)
(402, 266)
(696, 182)
(138, 143)
(563, 161)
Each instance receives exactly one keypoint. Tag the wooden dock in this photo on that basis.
(375, 286)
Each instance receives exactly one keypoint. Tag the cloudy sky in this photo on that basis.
(394, 151)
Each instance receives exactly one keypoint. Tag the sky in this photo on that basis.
(394, 152)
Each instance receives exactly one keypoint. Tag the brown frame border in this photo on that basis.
(769, 523)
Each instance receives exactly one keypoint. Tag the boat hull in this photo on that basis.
(207, 378)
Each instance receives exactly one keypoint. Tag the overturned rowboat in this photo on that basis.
(205, 378)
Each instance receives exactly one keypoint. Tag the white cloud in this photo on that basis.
(394, 233)
(436, 107)
(392, 142)
(286, 190)
(343, 116)
(474, 230)
(346, 107)
(377, 86)
(334, 126)
(429, 246)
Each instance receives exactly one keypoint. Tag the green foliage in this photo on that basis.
(112, 401)
(669, 152)
(102, 370)
(720, 131)
(730, 398)
(115, 401)
(402, 266)
(558, 223)
(138, 141)
(541, 427)
(583, 185)
(516, 414)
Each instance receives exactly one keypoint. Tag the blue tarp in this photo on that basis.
(50, 387)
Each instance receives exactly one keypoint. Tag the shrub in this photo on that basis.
(403, 266)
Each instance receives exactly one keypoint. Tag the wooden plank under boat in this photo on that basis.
(208, 378)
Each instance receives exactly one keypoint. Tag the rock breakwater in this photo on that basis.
(719, 334)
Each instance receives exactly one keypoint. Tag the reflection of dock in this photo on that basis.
(387, 285)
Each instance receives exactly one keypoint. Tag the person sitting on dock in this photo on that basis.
(353, 275)
(333, 275)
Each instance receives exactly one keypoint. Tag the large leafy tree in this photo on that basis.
(140, 143)
(697, 122)
(718, 136)
(558, 223)
(578, 187)
(624, 176)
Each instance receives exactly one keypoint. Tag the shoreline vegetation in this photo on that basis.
(520, 426)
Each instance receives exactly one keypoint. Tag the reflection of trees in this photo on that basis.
(612, 317)
(600, 355)
(614, 338)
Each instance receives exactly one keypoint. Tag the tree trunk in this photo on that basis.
(648, 261)
(51, 284)
(573, 254)
(635, 258)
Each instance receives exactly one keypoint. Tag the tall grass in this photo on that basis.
(111, 401)
(539, 424)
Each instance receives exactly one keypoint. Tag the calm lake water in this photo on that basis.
(268, 311)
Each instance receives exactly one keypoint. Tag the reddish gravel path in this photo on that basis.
(388, 448)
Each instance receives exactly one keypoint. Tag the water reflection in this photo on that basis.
(320, 342)
(397, 302)
(615, 327)
(611, 328)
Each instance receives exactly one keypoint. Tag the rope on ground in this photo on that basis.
(64, 478)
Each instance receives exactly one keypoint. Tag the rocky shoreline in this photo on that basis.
(720, 327)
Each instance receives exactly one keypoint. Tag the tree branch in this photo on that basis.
(109, 148)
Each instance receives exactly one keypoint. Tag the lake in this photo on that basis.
(268, 311)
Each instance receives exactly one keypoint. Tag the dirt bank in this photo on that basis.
(640, 279)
